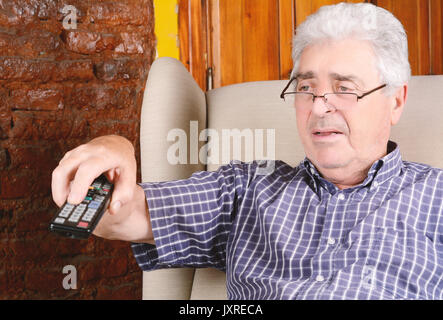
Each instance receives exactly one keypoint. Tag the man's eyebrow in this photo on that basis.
(304, 75)
(348, 77)
(336, 76)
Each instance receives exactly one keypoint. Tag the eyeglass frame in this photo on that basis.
(282, 95)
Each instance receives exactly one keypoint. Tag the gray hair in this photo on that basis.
(362, 21)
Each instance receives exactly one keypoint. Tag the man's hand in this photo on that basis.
(127, 217)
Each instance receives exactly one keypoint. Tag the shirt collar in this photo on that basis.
(380, 171)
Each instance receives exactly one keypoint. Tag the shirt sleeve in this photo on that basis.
(191, 218)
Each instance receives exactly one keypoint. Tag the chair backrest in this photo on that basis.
(173, 99)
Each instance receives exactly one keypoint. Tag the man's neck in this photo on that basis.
(344, 178)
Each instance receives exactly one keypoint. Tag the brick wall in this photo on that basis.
(59, 88)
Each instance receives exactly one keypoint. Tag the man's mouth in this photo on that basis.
(328, 133)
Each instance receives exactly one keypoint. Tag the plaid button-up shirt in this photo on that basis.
(290, 234)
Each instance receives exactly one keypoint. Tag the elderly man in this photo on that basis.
(352, 221)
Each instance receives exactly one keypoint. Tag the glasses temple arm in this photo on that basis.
(369, 92)
(282, 95)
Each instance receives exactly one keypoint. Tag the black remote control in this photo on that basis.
(78, 221)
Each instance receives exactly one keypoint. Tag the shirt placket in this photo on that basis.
(323, 268)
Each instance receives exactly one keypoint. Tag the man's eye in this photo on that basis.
(344, 89)
(303, 88)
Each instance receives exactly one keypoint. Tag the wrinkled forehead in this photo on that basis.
(346, 59)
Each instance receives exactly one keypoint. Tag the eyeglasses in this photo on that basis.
(336, 99)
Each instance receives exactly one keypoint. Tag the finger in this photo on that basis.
(84, 176)
(110, 174)
(60, 186)
(63, 174)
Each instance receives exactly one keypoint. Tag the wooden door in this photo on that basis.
(233, 41)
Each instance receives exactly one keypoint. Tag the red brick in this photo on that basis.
(119, 69)
(16, 13)
(74, 70)
(46, 9)
(13, 186)
(120, 292)
(15, 282)
(71, 247)
(127, 128)
(95, 97)
(5, 158)
(5, 124)
(21, 184)
(22, 125)
(41, 98)
(44, 280)
(102, 97)
(116, 13)
(32, 43)
(3, 281)
(89, 42)
(103, 267)
(131, 43)
(6, 43)
(19, 69)
(48, 126)
(38, 157)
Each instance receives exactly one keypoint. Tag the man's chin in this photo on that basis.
(330, 162)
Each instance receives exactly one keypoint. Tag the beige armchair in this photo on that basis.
(173, 100)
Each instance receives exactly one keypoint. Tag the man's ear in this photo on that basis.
(399, 101)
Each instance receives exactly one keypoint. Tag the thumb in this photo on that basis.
(123, 190)
(115, 206)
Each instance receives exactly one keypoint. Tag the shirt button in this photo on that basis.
(331, 241)
(341, 196)
(320, 278)
(375, 184)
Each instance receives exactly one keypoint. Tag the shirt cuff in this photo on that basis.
(163, 254)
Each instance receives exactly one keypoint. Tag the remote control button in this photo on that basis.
(94, 205)
(74, 218)
(96, 184)
(99, 198)
(89, 214)
(77, 213)
(65, 212)
(87, 218)
(82, 224)
(80, 209)
(59, 220)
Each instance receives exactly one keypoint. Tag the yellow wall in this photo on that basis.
(166, 28)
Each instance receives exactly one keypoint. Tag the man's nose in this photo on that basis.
(320, 105)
